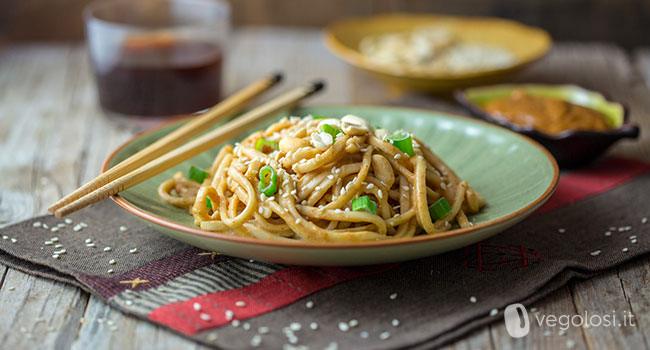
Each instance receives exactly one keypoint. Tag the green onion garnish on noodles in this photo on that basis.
(439, 209)
(319, 117)
(332, 130)
(208, 203)
(268, 181)
(197, 175)
(403, 141)
(263, 143)
(364, 204)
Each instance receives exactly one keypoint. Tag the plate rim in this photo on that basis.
(354, 58)
(132, 209)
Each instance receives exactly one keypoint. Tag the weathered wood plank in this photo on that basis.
(479, 339)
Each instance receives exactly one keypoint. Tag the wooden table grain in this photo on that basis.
(53, 138)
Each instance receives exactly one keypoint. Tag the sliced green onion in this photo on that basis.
(332, 130)
(268, 181)
(439, 209)
(319, 117)
(208, 202)
(403, 141)
(364, 204)
(196, 174)
(262, 143)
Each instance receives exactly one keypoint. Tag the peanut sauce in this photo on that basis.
(545, 114)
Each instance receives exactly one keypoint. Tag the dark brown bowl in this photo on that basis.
(571, 148)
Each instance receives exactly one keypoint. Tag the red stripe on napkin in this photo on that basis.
(278, 289)
(599, 178)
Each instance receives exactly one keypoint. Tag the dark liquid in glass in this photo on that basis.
(160, 77)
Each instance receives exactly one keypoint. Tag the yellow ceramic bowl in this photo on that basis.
(527, 44)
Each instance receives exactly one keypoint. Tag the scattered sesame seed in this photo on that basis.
(77, 228)
(295, 326)
(395, 322)
(46, 242)
(298, 221)
(406, 188)
(364, 334)
(13, 240)
(54, 229)
(229, 315)
(472, 299)
(256, 340)
(37, 224)
(263, 330)
(54, 239)
(608, 233)
(83, 224)
(313, 326)
(129, 302)
(309, 304)
(134, 250)
(633, 237)
(5, 237)
(393, 296)
(397, 156)
(246, 326)
(110, 271)
(62, 251)
(533, 309)
(205, 317)
(561, 230)
(55, 256)
(23, 330)
(90, 245)
(344, 327)
(570, 343)
(384, 335)
(633, 241)
(332, 346)
(624, 250)
(11, 288)
(621, 229)
(240, 303)
(58, 246)
(123, 228)
(197, 306)
(45, 226)
(68, 221)
(60, 225)
(235, 323)
(380, 194)
(494, 312)
(112, 261)
(611, 228)
(644, 220)
(107, 249)
(353, 323)
(595, 253)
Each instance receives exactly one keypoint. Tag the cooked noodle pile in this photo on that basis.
(336, 181)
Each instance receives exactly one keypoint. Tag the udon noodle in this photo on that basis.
(338, 180)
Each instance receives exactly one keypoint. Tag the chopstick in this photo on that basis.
(225, 108)
(194, 147)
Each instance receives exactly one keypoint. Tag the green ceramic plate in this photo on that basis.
(513, 173)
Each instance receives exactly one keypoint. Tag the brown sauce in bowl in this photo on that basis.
(548, 115)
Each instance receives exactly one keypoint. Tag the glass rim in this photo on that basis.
(89, 11)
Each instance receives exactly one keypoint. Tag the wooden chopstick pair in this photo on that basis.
(170, 151)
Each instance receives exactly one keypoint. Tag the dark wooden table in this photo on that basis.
(53, 138)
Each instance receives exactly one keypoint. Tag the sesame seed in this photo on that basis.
(112, 261)
(621, 229)
(54, 229)
(129, 302)
(107, 249)
(60, 225)
(58, 246)
(344, 327)
(235, 323)
(133, 251)
(240, 303)
(353, 323)
(644, 220)
(364, 334)
(55, 256)
(298, 221)
(77, 228)
(397, 156)
(229, 315)
(46, 242)
(309, 304)
(608, 233)
(37, 224)
(90, 245)
(62, 251)
(595, 253)
(494, 312)
(472, 299)
(246, 326)
(624, 250)
(570, 344)
(123, 228)
(611, 228)
(313, 326)
(533, 309)
(54, 239)
(263, 330)
(406, 188)
(395, 322)
(83, 224)
(295, 326)
(68, 221)
(13, 240)
(384, 335)
(633, 237)
(380, 194)
(45, 226)
(393, 296)
(561, 230)
(256, 340)
(370, 186)
(11, 288)
(197, 306)
(110, 271)
(5, 237)
(205, 317)
(332, 346)
(633, 241)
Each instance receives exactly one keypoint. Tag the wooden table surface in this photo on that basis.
(53, 138)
